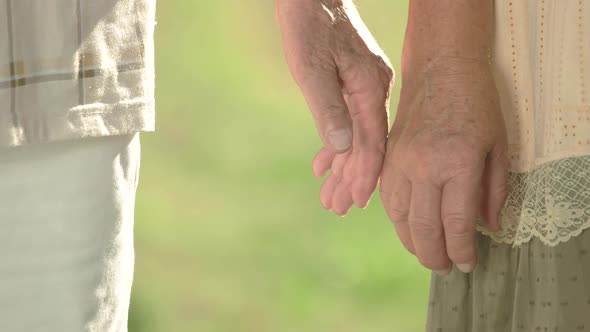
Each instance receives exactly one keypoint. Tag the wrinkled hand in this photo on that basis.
(446, 163)
(346, 79)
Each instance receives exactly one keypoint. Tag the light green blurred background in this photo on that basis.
(230, 234)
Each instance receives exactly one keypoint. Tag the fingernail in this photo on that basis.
(442, 273)
(340, 138)
(464, 267)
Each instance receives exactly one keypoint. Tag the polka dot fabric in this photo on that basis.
(541, 61)
(529, 288)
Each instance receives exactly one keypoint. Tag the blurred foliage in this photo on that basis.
(230, 234)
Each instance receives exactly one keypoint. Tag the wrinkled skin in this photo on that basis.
(446, 163)
(346, 80)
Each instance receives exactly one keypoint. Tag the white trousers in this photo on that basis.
(66, 236)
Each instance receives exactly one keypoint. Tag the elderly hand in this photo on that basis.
(446, 162)
(346, 79)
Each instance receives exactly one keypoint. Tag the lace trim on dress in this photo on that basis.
(552, 203)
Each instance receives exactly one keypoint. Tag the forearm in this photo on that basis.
(447, 32)
(330, 6)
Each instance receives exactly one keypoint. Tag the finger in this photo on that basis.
(367, 98)
(395, 193)
(327, 190)
(426, 227)
(495, 187)
(340, 160)
(322, 162)
(368, 166)
(323, 93)
(342, 197)
(460, 205)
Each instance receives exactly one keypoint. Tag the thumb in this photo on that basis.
(323, 93)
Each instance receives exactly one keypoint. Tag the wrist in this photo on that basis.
(447, 33)
(444, 64)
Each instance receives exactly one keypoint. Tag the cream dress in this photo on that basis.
(534, 274)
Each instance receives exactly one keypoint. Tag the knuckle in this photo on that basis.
(398, 215)
(457, 226)
(423, 228)
(421, 147)
(422, 170)
(459, 156)
(460, 239)
(464, 157)
(373, 70)
(426, 162)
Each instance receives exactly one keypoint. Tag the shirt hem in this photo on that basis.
(93, 120)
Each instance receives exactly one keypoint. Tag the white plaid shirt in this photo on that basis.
(75, 68)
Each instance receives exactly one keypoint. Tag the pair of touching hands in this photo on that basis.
(443, 164)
